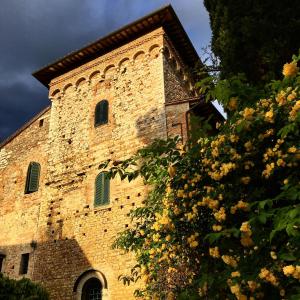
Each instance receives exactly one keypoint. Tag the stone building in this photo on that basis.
(58, 213)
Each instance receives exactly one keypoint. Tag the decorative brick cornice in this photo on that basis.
(80, 70)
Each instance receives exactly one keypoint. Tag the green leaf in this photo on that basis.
(213, 237)
(287, 256)
(291, 231)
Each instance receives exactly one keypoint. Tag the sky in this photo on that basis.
(34, 33)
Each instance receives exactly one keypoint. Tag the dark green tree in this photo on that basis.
(254, 37)
(11, 289)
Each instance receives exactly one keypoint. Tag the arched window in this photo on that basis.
(91, 285)
(92, 290)
(101, 190)
(33, 177)
(101, 113)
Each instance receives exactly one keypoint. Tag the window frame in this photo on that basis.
(24, 263)
(2, 259)
(29, 178)
(101, 114)
(102, 193)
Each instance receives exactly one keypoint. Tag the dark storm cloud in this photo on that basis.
(34, 33)
(19, 100)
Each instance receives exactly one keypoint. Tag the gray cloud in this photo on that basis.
(34, 33)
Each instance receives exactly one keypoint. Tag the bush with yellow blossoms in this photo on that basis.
(222, 220)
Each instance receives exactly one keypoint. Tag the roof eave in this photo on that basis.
(164, 17)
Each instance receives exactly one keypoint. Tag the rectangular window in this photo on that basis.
(24, 263)
(1, 262)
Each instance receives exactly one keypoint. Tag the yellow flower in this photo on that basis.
(246, 240)
(248, 113)
(280, 162)
(269, 116)
(220, 215)
(281, 99)
(252, 285)
(273, 255)
(288, 270)
(248, 145)
(233, 138)
(171, 171)
(214, 252)
(180, 193)
(217, 227)
(142, 232)
(229, 260)
(292, 149)
(290, 69)
(151, 251)
(269, 168)
(294, 111)
(292, 96)
(235, 289)
(168, 238)
(245, 227)
(156, 226)
(218, 125)
(268, 276)
(193, 244)
(215, 152)
(156, 237)
(192, 240)
(235, 274)
(245, 180)
(232, 104)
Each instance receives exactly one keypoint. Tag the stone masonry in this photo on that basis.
(145, 83)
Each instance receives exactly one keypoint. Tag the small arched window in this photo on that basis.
(102, 186)
(92, 290)
(101, 113)
(33, 177)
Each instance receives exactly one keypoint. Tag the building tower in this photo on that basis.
(58, 213)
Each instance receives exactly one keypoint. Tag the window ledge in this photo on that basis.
(103, 207)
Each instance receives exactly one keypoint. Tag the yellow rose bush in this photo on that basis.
(222, 220)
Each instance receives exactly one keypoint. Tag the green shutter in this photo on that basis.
(33, 176)
(101, 113)
(101, 190)
(106, 190)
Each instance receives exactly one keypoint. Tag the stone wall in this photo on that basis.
(19, 212)
(73, 236)
(77, 234)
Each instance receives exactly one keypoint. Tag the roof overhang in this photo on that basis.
(164, 17)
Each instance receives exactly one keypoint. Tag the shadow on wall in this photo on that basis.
(151, 126)
(59, 265)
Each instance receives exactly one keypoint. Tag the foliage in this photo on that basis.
(254, 37)
(23, 289)
(222, 219)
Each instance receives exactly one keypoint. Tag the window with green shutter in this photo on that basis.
(101, 113)
(33, 177)
(101, 190)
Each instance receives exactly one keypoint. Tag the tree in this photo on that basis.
(23, 289)
(223, 218)
(254, 37)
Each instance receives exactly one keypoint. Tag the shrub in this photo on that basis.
(11, 289)
(222, 220)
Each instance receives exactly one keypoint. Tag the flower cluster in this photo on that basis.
(222, 218)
